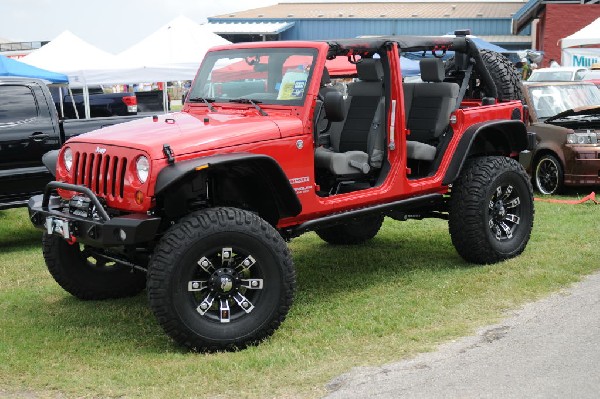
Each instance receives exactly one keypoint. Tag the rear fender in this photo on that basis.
(236, 179)
(502, 137)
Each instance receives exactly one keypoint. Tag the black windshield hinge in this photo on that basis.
(169, 154)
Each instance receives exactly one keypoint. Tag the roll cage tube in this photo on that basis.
(368, 46)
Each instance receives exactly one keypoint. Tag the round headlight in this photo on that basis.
(68, 158)
(143, 168)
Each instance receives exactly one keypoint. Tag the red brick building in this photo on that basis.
(555, 20)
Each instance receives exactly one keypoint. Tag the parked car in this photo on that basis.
(593, 75)
(566, 119)
(197, 205)
(560, 74)
(29, 128)
(101, 104)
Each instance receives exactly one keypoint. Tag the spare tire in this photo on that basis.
(505, 76)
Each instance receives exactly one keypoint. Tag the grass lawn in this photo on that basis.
(404, 292)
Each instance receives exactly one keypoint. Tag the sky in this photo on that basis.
(111, 25)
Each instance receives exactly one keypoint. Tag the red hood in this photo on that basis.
(185, 133)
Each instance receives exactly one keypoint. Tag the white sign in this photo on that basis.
(580, 57)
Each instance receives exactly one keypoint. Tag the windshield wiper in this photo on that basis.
(206, 101)
(249, 101)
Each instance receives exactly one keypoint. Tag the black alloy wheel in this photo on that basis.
(505, 212)
(548, 175)
(225, 286)
(221, 279)
(491, 210)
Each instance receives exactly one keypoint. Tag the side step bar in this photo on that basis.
(429, 202)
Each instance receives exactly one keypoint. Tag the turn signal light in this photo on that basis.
(139, 197)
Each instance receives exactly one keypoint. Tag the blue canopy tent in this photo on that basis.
(409, 67)
(10, 67)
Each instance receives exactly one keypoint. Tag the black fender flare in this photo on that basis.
(50, 159)
(514, 131)
(260, 166)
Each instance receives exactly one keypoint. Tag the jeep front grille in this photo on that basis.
(101, 173)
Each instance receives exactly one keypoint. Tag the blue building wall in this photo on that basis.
(338, 28)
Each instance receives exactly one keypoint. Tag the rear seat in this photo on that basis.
(428, 106)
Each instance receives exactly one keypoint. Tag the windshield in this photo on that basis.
(552, 100)
(266, 76)
(553, 76)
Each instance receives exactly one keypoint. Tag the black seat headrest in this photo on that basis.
(432, 70)
(370, 70)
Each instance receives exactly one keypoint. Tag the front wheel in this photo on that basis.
(221, 279)
(548, 175)
(491, 210)
(86, 275)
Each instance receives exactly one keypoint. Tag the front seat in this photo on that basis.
(358, 148)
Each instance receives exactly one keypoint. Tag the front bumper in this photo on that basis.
(582, 165)
(46, 212)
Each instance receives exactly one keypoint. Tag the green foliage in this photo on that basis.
(402, 293)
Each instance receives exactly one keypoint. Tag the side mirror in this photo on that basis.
(334, 106)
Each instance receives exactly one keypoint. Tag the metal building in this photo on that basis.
(492, 21)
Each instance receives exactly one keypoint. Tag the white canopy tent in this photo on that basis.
(173, 52)
(571, 52)
(584, 37)
(82, 62)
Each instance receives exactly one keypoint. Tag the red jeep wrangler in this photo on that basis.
(197, 206)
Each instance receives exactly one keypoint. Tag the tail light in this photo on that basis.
(526, 119)
(131, 102)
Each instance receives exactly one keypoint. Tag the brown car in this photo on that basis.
(566, 118)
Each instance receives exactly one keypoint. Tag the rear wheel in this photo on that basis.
(221, 279)
(86, 275)
(491, 210)
(548, 175)
(354, 232)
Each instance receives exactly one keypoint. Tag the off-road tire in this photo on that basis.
(491, 192)
(208, 248)
(548, 175)
(86, 277)
(354, 232)
(505, 76)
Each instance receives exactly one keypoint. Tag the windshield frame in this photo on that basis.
(278, 54)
